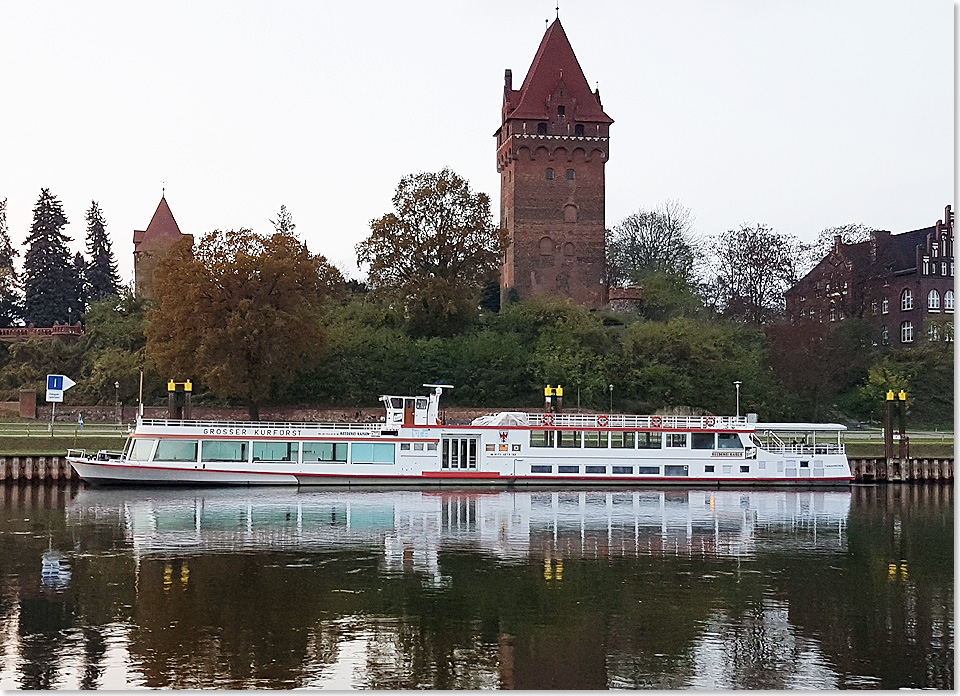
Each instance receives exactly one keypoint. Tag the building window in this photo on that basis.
(948, 301)
(874, 308)
(884, 306)
(948, 332)
(561, 110)
(933, 301)
(943, 268)
(541, 129)
(571, 174)
(884, 336)
(906, 300)
(906, 332)
(546, 246)
(578, 130)
(833, 313)
(549, 174)
(926, 266)
(933, 333)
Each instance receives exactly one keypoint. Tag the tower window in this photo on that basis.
(578, 129)
(541, 129)
(571, 174)
(549, 174)
(561, 110)
(933, 301)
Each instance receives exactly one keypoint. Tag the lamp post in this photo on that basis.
(116, 400)
(611, 398)
(737, 385)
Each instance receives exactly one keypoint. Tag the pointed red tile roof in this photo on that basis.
(162, 229)
(555, 61)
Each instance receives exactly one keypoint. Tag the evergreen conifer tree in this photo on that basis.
(49, 277)
(11, 298)
(102, 279)
(79, 297)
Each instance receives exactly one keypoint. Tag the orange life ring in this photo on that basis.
(656, 421)
(711, 421)
(548, 419)
(603, 421)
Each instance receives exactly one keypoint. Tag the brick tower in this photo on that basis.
(551, 150)
(151, 245)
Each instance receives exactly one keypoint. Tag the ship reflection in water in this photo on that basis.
(389, 589)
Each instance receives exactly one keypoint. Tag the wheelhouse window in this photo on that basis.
(224, 451)
(676, 440)
(329, 451)
(906, 300)
(906, 332)
(270, 451)
(933, 301)
(176, 451)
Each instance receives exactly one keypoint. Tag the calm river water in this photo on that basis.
(663, 588)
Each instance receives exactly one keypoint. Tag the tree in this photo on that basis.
(851, 233)
(78, 276)
(240, 315)
(11, 298)
(284, 223)
(751, 269)
(102, 278)
(49, 279)
(435, 252)
(652, 241)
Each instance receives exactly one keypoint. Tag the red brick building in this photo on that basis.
(901, 284)
(551, 150)
(151, 245)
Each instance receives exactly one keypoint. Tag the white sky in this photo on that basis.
(801, 114)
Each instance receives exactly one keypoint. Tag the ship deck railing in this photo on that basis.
(281, 425)
(547, 421)
(817, 449)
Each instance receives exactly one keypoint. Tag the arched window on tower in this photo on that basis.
(541, 129)
(933, 301)
(578, 130)
(549, 174)
(546, 246)
(906, 300)
(571, 174)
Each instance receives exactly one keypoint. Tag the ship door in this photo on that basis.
(459, 453)
(408, 409)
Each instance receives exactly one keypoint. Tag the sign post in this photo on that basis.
(56, 385)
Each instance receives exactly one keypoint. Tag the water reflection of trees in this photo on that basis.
(603, 601)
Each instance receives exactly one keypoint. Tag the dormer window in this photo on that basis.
(561, 111)
(578, 130)
(541, 129)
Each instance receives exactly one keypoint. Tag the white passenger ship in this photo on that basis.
(413, 446)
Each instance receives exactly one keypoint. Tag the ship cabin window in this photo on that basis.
(329, 451)
(676, 470)
(270, 451)
(709, 469)
(648, 440)
(176, 451)
(541, 438)
(568, 438)
(396, 402)
(622, 440)
(701, 441)
(223, 451)
(594, 438)
(366, 452)
(676, 440)
(729, 441)
(141, 449)
(654, 470)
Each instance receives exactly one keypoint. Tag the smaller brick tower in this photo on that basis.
(551, 150)
(151, 245)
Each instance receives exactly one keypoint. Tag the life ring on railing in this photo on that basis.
(548, 419)
(603, 421)
(711, 421)
(656, 421)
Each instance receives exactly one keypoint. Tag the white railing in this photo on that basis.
(284, 425)
(593, 420)
(805, 450)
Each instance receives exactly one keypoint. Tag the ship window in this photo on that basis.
(709, 468)
(593, 438)
(549, 174)
(541, 438)
(622, 440)
(701, 441)
(676, 440)
(223, 451)
(648, 470)
(140, 452)
(676, 470)
(328, 451)
(541, 129)
(396, 402)
(571, 174)
(540, 469)
(567, 469)
(744, 469)
(431, 447)
(405, 446)
(418, 447)
(421, 403)
(367, 452)
(578, 130)
(569, 438)
(596, 469)
(176, 451)
(276, 451)
(729, 441)
(648, 440)
(623, 469)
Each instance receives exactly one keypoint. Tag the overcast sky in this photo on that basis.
(801, 114)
